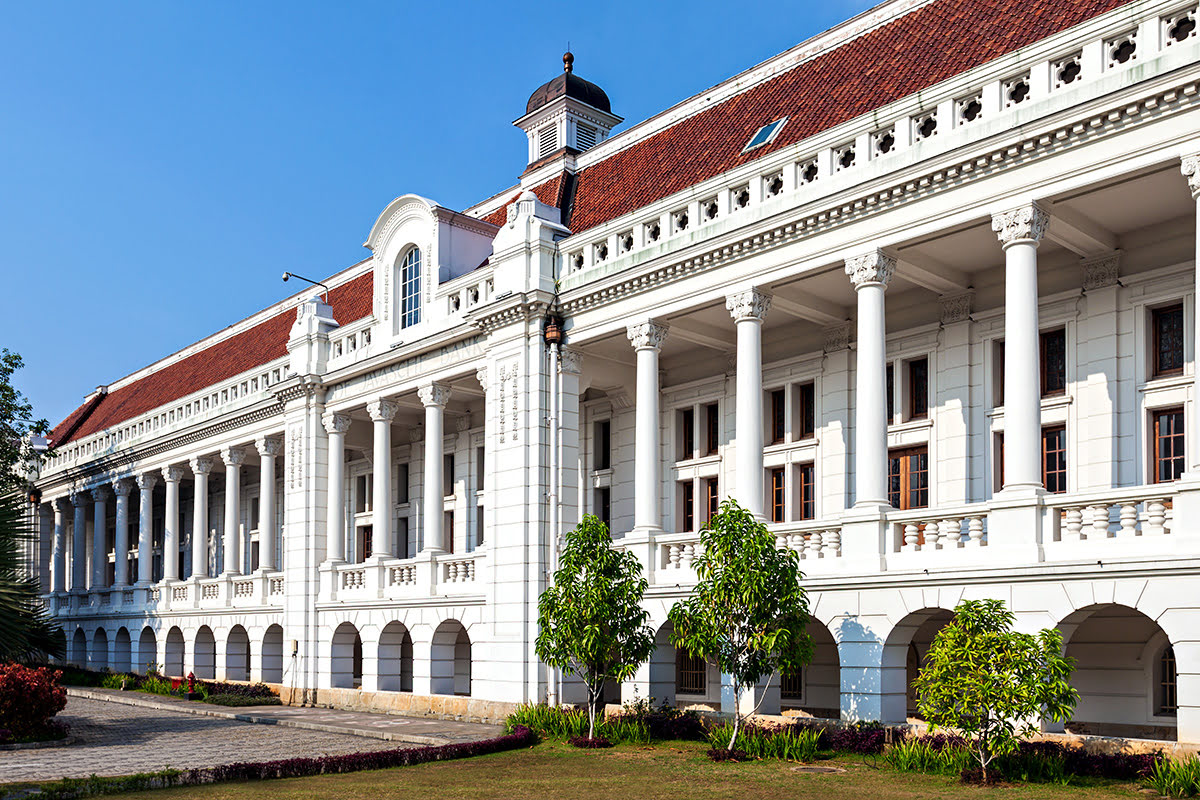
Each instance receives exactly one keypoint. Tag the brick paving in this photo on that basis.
(119, 739)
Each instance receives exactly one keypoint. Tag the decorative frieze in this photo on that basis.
(1101, 271)
(956, 307)
(837, 338)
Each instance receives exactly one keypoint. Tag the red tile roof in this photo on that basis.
(241, 352)
(910, 53)
(549, 192)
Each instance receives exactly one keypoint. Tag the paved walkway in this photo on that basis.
(117, 738)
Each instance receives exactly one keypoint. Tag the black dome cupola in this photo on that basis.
(566, 114)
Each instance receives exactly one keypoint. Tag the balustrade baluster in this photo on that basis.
(1099, 522)
(833, 544)
(1129, 517)
(1156, 518)
(975, 531)
(912, 537)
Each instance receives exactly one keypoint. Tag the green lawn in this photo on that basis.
(551, 771)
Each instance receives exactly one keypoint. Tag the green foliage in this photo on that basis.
(237, 700)
(591, 621)
(120, 680)
(564, 724)
(1172, 778)
(748, 611)
(156, 684)
(788, 743)
(26, 632)
(923, 755)
(16, 424)
(990, 682)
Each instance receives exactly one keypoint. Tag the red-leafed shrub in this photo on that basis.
(29, 698)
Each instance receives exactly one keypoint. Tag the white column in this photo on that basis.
(870, 274)
(1020, 230)
(78, 543)
(647, 338)
(146, 484)
(121, 488)
(748, 309)
(99, 543)
(171, 477)
(233, 457)
(201, 467)
(58, 550)
(434, 397)
(382, 412)
(1191, 170)
(268, 449)
(336, 426)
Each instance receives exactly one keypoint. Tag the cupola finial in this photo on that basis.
(568, 61)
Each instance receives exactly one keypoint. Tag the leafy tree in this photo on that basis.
(748, 612)
(990, 682)
(591, 621)
(25, 630)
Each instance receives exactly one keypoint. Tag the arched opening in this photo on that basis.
(122, 651)
(408, 282)
(237, 654)
(450, 660)
(904, 652)
(272, 655)
(1125, 673)
(395, 659)
(173, 653)
(345, 661)
(205, 657)
(78, 653)
(678, 678)
(99, 652)
(816, 690)
(147, 654)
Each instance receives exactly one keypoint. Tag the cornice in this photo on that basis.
(895, 194)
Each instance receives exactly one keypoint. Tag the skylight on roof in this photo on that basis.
(765, 134)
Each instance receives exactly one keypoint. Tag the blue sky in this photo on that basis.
(162, 163)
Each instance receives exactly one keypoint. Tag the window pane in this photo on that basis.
(807, 501)
(918, 388)
(891, 394)
(807, 410)
(918, 480)
(410, 289)
(1168, 340)
(777, 416)
(713, 420)
(1168, 445)
(1054, 459)
(1054, 362)
(777, 511)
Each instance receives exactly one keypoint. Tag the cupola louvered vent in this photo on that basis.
(547, 140)
(585, 136)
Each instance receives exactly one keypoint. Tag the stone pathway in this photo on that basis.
(119, 739)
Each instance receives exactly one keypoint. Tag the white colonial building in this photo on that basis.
(920, 291)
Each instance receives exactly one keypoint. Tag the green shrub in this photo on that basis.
(115, 679)
(561, 723)
(788, 743)
(156, 684)
(1171, 778)
(928, 755)
(236, 700)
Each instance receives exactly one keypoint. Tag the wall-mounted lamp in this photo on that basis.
(287, 275)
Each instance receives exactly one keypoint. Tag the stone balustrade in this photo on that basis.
(427, 575)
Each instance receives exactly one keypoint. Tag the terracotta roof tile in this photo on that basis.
(240, 353)
(910, 53)
(549, 192)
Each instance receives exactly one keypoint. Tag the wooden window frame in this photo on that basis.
(915, 395)
(1043, 374)
(778, 497)
(806, 400)
(687, 434)
(902, 458)
(1046, 431)
(1156, 340)
(712, 498)
(688, 509)
(778, 416)
(1157, 438)
(890, 387)
(712, 421)
(806, 495)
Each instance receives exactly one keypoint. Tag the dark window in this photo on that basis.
(402, 549)
(1054, 459)
(448, 531)
(908, 478)
(808, 411)
(1168, 699)
(712, 419)
(778, 410)
(687, 500)
(402, 481)
(602, 506)
(807, 487)
(777, 498)
(691, 673)
(998, 371)
(478, 525)
(480, 462)
(918, 388)
(891, 394)
(687, 433)
(602, 458)
(1054, 362)
(448, 474)
(368, 542)
(1168, 445)
(1168, 341)
(712, 498)
(791, 685)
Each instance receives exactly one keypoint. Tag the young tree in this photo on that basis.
(591, 621)
(748, 611)
(990, 682)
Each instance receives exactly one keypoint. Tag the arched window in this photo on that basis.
(410, 288)
(1168, 700)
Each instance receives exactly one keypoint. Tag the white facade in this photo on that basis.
(1062, 225)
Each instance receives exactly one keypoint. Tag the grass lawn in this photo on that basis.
(551, 771)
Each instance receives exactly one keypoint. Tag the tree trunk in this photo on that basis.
(591, 710)
(737, 716)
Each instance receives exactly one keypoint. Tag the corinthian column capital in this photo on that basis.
(335, 423)
(382, 410)
(434, 394)
(1024, 223)
(647, 334)
(750, 304)
(870, 268)
(1191, 170)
